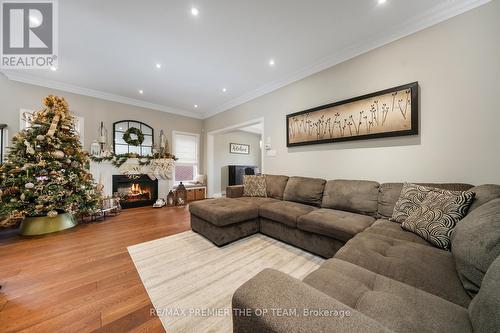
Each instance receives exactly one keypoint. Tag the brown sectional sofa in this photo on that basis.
(385, 278)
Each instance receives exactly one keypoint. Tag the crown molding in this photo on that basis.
(429, 18)
(37, 81)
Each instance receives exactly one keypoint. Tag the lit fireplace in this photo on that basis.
(135, 191)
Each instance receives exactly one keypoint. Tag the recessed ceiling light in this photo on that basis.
(195, 11)
(272, 62)
(196, 106)
(141, 92)
(53, 68)
(158, 66)
(381, 2)
(224, 89)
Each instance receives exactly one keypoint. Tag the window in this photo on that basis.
(121, 147)
(186, 149)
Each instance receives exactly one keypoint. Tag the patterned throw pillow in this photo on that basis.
(410, 199)
(254, 186)
(438, 215)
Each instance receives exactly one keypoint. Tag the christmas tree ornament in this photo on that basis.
(52, 213)
(29, 186)
(58, 154)
(29, 148)
(40, 137)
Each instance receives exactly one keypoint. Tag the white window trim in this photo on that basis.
(197, 164)
(5, 142)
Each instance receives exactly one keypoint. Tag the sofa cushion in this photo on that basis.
(484, 193)
(258, 201)
(398, 306)
(388, 196)
(394, 230)
(234, 191)
(254, 186)
(224, 211)
(356, 196)
(390, 193)
(438, 215)
(334, 223)
(275, 302)
(276, 186)
(285, 212)
(423, 267)
(475, 243)
(304, 190)
(484, 309)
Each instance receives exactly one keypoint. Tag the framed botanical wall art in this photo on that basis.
(239, 148)
(387, 113)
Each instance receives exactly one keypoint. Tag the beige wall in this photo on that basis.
(223, 158)
(15, 96)
(457, 64)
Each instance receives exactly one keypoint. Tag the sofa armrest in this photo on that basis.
(235, 191)
(275, 302)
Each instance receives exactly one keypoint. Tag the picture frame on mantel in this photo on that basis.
(239, 148)
(386, 113)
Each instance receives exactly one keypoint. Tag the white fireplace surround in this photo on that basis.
(103, 173)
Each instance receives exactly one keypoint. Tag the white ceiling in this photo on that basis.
(108, 49)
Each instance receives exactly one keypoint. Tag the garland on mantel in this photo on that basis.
(119, 159)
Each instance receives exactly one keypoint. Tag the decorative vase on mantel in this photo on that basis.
(41, 225)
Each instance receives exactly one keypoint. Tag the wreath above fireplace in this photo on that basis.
(133, 136)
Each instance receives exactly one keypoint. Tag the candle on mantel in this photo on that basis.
(163, 140)
(103, 134)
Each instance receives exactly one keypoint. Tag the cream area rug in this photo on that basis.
(191, 282)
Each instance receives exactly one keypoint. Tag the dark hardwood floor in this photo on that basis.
(82, 279)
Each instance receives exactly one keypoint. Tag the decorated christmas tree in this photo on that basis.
(46, 172)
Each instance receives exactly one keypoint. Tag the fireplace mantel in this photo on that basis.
(103, 173)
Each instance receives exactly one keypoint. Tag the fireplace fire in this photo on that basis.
(135, 191)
